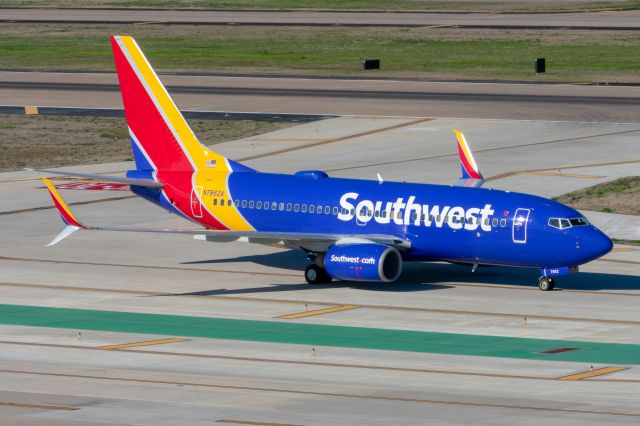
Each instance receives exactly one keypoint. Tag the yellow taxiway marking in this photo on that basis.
(318, 312)
(136, 344)
(592, 373)
(31, 110)
(541, 173)
(248, 422)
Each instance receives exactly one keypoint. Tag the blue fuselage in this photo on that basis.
(451, 223)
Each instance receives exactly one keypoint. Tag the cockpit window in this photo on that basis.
(562, 223)
(579, 221)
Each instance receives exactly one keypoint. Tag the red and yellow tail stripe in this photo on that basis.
(183, 164)
(63, 209)
(470, 169)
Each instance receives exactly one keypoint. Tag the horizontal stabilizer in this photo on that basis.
(105, 178)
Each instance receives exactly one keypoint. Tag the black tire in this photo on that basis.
(546, 284)
(316, 275)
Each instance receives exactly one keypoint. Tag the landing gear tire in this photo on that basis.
(316, 275)
(546, 284)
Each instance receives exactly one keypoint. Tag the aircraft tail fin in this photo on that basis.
(160, 136)
(468, 164)
(471, 175)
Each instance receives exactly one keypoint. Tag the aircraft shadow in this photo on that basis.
(435, 273)
(421, 277)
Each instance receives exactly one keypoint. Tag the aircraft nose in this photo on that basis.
(596, 244)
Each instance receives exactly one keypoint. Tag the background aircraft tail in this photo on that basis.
(160, 136)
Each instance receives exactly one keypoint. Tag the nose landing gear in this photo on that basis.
(546, 283)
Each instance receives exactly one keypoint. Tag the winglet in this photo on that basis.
(67, 217)
(468, 164)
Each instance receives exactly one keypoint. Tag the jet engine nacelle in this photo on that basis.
(363, 262)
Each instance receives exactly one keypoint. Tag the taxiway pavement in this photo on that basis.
(628, 19)
(53, 374)
(404, 98)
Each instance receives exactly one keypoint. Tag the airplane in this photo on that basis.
(351, 230)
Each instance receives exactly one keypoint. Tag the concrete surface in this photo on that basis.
(56, 376)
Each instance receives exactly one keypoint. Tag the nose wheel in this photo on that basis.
(546, 284)
(316, 275)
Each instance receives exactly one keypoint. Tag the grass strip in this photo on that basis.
(56, 141)
(439, 53)
(619, 196)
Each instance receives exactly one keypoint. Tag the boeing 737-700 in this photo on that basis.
(355, 230)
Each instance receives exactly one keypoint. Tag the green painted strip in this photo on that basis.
(318, 335)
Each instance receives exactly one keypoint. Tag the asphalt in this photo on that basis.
(609, 20)
(550, 102)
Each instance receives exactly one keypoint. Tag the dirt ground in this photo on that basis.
(619, 196)
(54, 141)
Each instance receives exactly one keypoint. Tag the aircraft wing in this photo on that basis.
(310, 240)
(107, 178)
(471, 176)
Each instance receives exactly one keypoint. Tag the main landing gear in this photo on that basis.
(316, 275)
(546, 283)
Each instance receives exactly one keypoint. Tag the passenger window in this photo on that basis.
(376, 213)
(438, 218)
(259, 205)
(344, 211)
(494, 222)
(274, 206)
(281, 207)
(251, 204)
(312, 208)
(222, 202)
(289, 207)
(353, 212)
(229, 202)
(296, 207)
(335, 211)
(503, 223)
(237, 202)
(319, 209)
(215, 201)
(304, 208)
(384, 214)
(244, 204)
(327, 210)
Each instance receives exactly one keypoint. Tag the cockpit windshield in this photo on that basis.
(564, 223)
